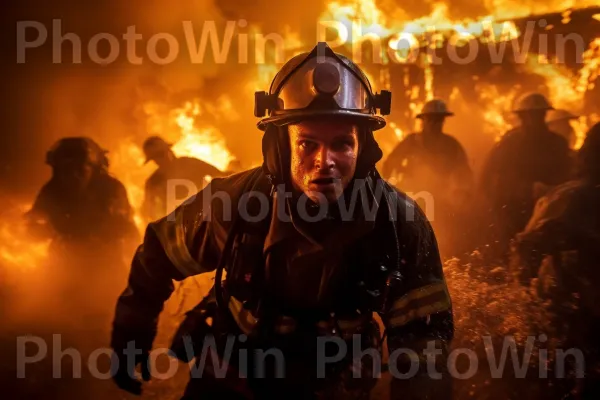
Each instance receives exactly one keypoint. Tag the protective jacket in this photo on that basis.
(101, 212)
(185, 174)
(514, 165)
(286, 282)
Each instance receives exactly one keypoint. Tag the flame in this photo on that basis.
(17, 247)
(265, 71)
(192, 127)
(366, 19)
(591, 67)
(567, 89)
(581, 126)
(207, 143)
(397, 131)
(560, 81)
(497, 106)
(486, 28)
(127, 163)
(182, 127)
(517, 8)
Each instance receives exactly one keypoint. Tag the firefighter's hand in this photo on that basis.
(125, 377)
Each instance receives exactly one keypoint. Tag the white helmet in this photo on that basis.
(559, 115)
(531, 102)
(435, 106)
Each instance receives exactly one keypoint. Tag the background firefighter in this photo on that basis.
(81, 202)
(558, 254)
(433, 162)
(291, 281)
(195, 172)
(88, 217)
(526, 155)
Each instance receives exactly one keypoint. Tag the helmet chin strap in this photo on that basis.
(369, 154)
(273, 157)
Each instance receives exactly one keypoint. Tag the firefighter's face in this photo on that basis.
(533, 118)
(432, 123)
(323, 157)
(74, 176)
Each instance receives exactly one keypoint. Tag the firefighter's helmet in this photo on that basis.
(559, 115)
(532, 102)
(153, 146)
(77, 150)
(435, 107)
(321, 83)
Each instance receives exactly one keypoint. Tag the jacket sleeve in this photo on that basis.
(420, 312)
(180, 245)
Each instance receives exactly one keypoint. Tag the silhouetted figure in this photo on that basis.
(526, 155)
(558, 254)
(81, 202)
(175, 178)
(433, 164)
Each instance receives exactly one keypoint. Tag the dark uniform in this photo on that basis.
(558, 252)
(436, 164)
(290, 282)
(439, 160)
(86, 214)
(96, 211)
(522, 158)
(191, 173)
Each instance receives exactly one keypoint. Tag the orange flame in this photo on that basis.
(207, 144)
(180, 126)
(497, 106)
(17, 247)
(364, 19)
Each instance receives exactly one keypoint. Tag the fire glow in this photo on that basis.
(184, 124)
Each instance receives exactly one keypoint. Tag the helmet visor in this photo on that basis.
(308, 82)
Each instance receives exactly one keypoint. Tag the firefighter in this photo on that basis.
(81, 202)
(86, 214)
(525, 156)
(558, 252)
(435, 163)
(187, 174)
(300, 269)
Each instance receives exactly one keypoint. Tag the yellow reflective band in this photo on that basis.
(243, 318)
(285, 325)
(419, 303)
(172, 237)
